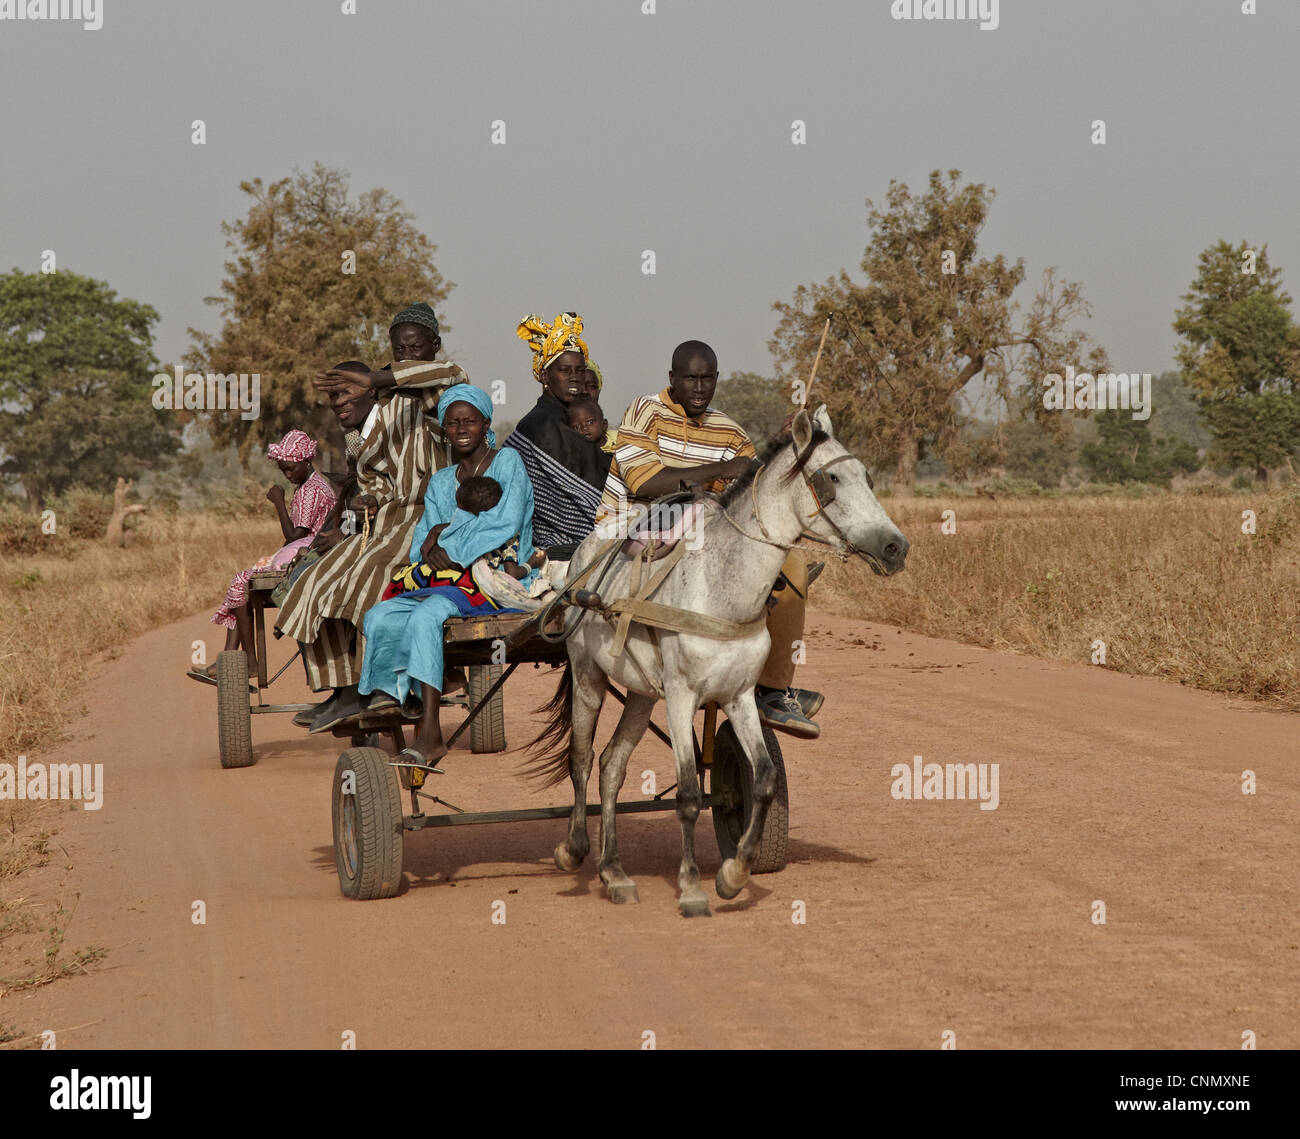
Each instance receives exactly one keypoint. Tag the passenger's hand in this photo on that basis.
(735, 468)
(433, 554)
(275, 494)
(349, 385)
(327, 540)
(368, 503)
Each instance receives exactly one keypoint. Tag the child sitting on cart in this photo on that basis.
(313, 500)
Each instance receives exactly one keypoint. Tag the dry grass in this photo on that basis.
(58, 612)
(1169, 583)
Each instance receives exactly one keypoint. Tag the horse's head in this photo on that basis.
(841, 508)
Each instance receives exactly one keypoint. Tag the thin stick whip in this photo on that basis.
(817, 360)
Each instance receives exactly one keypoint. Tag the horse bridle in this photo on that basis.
(822, 487)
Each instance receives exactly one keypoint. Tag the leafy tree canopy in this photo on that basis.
(76, 364)
(290, 305)
(931, 317)
(1240, 354)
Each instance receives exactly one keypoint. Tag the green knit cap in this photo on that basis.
(418, 313)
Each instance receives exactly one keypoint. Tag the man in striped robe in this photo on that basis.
(675, 437)
(397, 448)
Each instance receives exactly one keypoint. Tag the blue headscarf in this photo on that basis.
(477, 398)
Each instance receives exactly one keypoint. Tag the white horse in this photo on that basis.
(810, 485)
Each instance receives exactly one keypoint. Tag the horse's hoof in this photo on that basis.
(622, 894)
(731, 879)
(564, 860)
(695, 907)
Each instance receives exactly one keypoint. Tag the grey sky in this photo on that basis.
(668, 132)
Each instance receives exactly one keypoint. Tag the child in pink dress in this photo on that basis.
(312, 501)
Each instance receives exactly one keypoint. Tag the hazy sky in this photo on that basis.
(668, 132)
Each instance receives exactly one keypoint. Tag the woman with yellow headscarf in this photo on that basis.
(567, 471)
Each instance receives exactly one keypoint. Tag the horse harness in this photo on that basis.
(638, 608)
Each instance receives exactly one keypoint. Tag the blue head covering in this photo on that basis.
(477, 398)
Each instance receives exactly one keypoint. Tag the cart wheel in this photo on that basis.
(488, 731)
(731, 780)
(234, 723)
(367, 825)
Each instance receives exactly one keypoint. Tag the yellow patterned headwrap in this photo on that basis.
(550, 341)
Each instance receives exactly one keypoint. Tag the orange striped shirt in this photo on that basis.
(656, 434)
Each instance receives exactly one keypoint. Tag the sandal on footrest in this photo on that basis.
(209, 676)
(417, 760)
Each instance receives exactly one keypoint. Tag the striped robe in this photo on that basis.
(566, 470)
(657, 434)
(325, 606)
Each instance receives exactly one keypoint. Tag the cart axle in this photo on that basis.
(638, 807)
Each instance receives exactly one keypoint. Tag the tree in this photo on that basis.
(1175, 412)
(76, 365)
(1029, 451)
(290, 306)
(1125, 451)
(929, 320)
(757, 403)
(1241, 356)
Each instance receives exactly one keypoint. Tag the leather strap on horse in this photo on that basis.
(623, 621)
(678, 621)
(639, 609)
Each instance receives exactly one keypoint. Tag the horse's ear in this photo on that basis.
(801, 430)
(821, 418)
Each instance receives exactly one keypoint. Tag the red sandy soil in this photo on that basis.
(922, 917)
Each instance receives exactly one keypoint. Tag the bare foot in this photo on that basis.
(432, 750)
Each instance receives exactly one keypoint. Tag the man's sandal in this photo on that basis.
(420, 767)
(209, 676)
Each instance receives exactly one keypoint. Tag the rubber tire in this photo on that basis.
(488, 731)
(731, 772)
(371, 866)
(234, 721)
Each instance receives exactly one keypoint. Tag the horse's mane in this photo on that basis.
(769, 452)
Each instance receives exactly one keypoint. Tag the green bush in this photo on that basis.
(77, 515)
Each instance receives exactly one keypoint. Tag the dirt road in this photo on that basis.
(921, 916)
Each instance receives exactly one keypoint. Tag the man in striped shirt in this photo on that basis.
(675, 437)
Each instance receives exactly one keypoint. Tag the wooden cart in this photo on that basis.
(369, 821)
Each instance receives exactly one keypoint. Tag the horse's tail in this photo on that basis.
(551, 746)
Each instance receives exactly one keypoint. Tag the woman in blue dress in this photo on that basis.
(403, 651)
